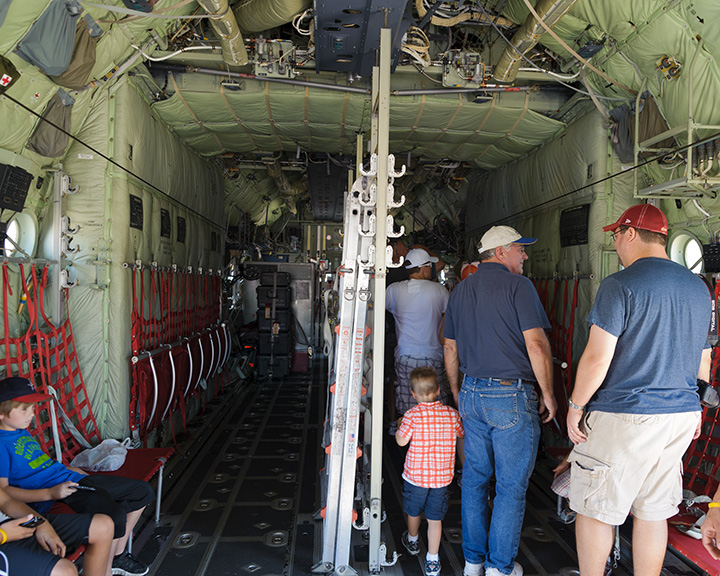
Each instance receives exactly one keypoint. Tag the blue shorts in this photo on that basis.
(432, 501)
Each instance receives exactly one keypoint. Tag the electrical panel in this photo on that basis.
(462, 69)
(14, 186)
(274, 58)
(574, 225)
(711, 257)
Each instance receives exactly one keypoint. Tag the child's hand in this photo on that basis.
(16, 532)
(49, 540)
(63, 490)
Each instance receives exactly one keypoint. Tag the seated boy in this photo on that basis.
(40, 551)
(432, 429)
(29, 475)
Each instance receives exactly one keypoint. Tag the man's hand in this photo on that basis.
(710, 530)
(63, 490)
(574, 417)
(49, 540)
(698, 429)
(548, 407)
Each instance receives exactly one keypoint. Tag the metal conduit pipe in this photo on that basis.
(226, 27)
(550, 11)
(181, 69)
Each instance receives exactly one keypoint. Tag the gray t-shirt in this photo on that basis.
(660, 313)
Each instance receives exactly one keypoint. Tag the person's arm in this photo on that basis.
(44, 533)
(441, 338)
(592, 369)
(538, 349)
(401, 440)
(711, 529)
(705, 361)
(57, 492)
(452, 366)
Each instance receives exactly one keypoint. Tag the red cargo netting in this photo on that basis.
(47, 357)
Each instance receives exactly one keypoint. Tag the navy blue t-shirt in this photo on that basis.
(487, 315)
(660, 312)
(25, 465)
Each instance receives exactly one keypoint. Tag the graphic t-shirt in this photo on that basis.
(26, 466)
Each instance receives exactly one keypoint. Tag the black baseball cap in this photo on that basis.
(21, 390)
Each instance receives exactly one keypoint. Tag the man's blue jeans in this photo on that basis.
(502, 430)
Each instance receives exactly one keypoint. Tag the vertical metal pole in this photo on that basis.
(56, 292)
(381, 105)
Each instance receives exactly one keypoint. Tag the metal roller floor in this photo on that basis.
(241, 501)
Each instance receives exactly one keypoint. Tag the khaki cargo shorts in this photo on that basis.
(630, 463)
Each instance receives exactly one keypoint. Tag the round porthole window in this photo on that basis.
(686, 249)
(22, 232)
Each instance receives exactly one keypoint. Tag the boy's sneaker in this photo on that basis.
(126, 564)
(412, 547)
(432, 567)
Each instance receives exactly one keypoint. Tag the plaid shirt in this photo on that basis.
(432, 429)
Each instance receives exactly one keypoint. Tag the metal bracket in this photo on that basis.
(365, 523)
(389, 261)
(391, 227)
(65, 226)
(391, 168)
(373, 167)
(383, 556)
(65, 247)
(67, 189)
(391, 197)
(64, 283)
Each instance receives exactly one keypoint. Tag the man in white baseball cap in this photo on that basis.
(418, 306)
(495, 335)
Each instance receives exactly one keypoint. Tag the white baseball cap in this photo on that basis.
(418, 257)
(502, 236)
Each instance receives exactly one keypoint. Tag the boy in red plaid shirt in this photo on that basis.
(432, 429)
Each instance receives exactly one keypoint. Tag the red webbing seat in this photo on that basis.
(560, 305)
(701, 465)
(177, 341)
(693, 550)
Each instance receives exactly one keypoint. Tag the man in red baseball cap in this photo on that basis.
(635, 407)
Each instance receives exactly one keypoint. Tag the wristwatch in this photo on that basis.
(575, 406)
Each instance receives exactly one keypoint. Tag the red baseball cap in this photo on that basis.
(642, 216)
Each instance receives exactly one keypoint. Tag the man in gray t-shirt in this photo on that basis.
(637, 381)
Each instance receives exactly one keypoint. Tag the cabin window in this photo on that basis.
(22, 230)
(686, 249)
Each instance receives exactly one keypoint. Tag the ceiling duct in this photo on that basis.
(225, 25)
(288, 190)
(550, 12)
(258, 16)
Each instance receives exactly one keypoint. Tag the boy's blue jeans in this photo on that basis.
(502, 430)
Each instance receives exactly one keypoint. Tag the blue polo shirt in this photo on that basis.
(660, 313)
(487, 315)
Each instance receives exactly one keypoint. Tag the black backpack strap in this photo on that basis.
(713, 329)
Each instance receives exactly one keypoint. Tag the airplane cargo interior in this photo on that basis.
(245, 244)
